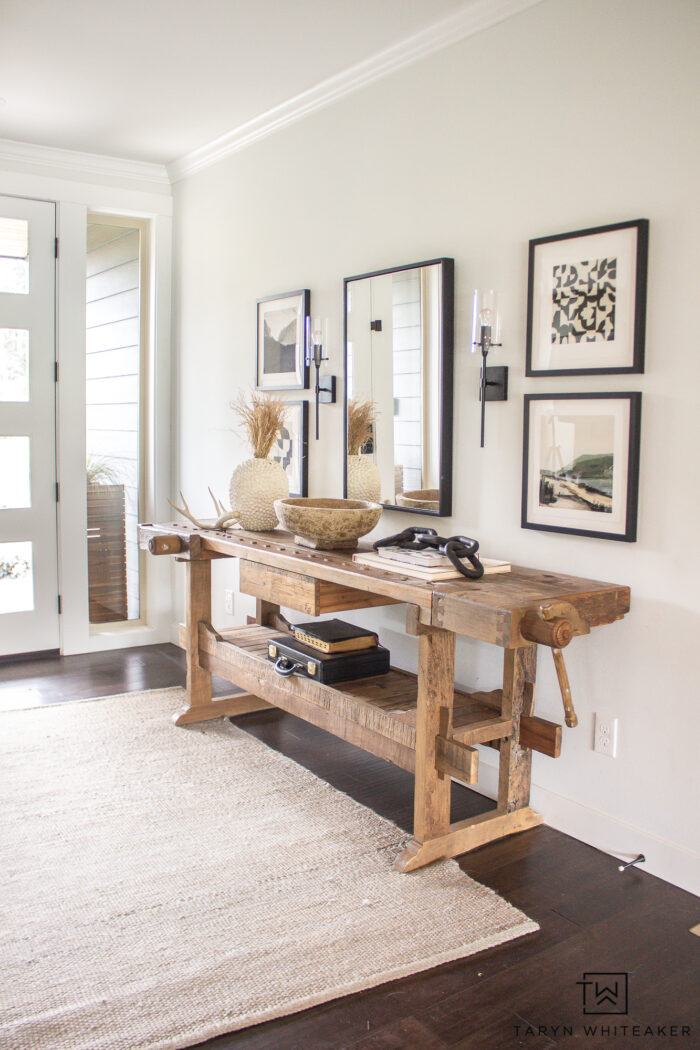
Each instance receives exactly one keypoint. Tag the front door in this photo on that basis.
(29, 615)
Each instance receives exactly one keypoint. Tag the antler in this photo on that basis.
(226, 518)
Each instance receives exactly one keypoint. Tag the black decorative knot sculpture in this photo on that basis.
(457, 548)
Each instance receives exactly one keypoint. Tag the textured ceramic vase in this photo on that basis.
(255, 485)
(363, 478)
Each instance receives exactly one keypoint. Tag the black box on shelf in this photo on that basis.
(292, 657)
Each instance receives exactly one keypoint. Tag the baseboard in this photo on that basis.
(665, 859)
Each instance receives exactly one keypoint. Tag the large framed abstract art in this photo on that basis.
(586, 304)
(581, 464)
(281, 361)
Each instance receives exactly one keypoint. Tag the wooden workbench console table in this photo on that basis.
(421, 723)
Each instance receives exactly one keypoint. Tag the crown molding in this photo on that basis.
(472, 18)
(88, 165)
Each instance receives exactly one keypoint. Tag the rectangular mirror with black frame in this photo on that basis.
(399, 349)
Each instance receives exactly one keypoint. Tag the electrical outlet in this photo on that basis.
(605, 742)
(228, 602)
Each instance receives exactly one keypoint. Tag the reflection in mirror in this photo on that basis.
(398, 386)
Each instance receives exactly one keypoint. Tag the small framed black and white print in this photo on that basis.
(282, 341)
(292, 447)
(581, 464)
(586, 301)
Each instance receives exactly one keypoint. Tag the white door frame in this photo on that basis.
(141, 194)
(76, 634)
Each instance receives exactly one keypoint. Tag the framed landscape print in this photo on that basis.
(581, 464)
(586, 301)
(282, 341)
(292, 447)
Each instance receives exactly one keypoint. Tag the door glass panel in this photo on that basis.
(28, 521)
(14, 364)
(16, 578)
(15, 491)
(14, 252)
(113, 409)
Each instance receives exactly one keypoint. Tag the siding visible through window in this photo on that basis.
(112, 395)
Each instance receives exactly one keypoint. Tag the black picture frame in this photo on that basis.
(297, 423)
(574, 496)
(446, 383)
(300, 302)
(620, 322)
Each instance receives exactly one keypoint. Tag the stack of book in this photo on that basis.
(427, 565)
(330, 651)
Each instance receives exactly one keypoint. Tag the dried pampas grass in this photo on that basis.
(262, 418)
(361, 417)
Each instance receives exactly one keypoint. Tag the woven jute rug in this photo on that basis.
(162, 886)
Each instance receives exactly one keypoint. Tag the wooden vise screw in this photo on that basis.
(165, 545)
(554, 625)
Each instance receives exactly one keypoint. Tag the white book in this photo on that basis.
(429, 558)
(426, 573)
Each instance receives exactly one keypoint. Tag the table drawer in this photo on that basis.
(294, 590)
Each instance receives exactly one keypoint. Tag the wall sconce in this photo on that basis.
(316, 339)
(486, 333)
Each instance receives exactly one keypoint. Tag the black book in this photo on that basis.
(334, 636)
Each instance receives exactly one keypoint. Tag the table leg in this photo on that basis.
(433, 789)
(200, 706)
(434, 837)
(519, 669)
(265, 612)
(198, 609)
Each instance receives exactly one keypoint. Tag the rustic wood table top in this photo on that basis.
(490, 609)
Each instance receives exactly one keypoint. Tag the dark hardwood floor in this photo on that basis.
(593, 920)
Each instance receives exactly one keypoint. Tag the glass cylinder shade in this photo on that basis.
(485, 315)
(316, 335)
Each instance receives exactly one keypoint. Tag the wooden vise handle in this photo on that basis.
(555, 624)
(565, 688)
(165, 545)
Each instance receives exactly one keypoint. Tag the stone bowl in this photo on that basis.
(421, 499)
(327, 524)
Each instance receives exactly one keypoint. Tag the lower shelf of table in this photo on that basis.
(377, 713)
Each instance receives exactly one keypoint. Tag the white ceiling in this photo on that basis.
(155, 79)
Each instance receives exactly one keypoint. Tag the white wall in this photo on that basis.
(572, 114)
